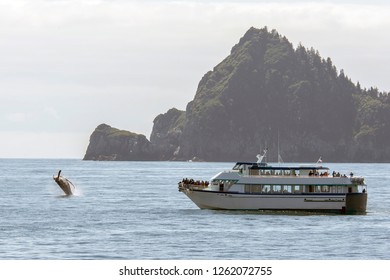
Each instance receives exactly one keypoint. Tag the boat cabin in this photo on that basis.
(262, 169)
(249, 177)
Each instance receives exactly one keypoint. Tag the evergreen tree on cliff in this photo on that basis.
(265, 94)
(265, 90)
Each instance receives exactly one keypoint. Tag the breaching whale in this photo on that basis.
(64, 184)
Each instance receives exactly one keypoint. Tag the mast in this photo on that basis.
(261, 157)
(280, 160)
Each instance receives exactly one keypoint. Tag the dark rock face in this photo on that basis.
(268, 94)
(108, 143)
(262, 89)
(265, 94)
(166, 134)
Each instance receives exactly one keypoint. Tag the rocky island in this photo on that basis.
(108, 143)
(266, 93)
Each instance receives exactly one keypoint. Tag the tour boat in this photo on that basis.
(259, 186)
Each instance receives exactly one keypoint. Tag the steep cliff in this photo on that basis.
(263, 89)
(108, 143)
(267, 93)
(166, 133)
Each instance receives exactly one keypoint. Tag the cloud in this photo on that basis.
(66, 66)
(21, 144)
(17, 117)
(133, 42)
(51, 113)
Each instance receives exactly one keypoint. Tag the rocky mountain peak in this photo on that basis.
(265, 94)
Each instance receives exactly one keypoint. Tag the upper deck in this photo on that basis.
(253, 168)
(254, 173)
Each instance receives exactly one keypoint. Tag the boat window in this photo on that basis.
(237, 167)
(253, 188)
(266, 189)
(261, 172)
(277, 189)
(286, 189)
(253, 172)
(337, 189)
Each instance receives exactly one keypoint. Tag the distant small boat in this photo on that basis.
(66, 186)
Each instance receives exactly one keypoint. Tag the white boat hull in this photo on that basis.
(297, 202)
(258, 186)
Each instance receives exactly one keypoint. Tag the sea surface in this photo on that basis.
(133, 210)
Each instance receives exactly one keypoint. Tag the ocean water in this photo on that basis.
(133, 210)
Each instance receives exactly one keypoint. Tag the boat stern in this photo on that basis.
(356, 203)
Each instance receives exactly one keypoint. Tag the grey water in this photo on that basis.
(133, 210)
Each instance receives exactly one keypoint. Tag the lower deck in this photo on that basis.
(285, 189)
(332, 202)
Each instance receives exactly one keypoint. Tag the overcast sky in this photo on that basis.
(68, 65)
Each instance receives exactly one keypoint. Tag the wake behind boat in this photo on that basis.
(259, 186)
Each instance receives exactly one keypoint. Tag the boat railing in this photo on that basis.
(291, 176)
(190, 185)
(357, 180)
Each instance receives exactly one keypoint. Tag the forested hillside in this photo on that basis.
(267, 90)
(268, 94)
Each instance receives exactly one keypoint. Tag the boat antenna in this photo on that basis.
(280, 160)
(261, 157)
